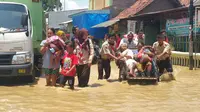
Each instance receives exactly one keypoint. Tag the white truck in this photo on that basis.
(16, 40)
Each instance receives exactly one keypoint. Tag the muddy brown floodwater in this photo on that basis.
(181, 95)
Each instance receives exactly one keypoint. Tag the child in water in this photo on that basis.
(68, 71)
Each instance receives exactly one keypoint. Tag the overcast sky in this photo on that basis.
(75, 4)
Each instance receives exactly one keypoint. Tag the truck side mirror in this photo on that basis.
(24, 20)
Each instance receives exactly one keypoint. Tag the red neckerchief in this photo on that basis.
(84, 44)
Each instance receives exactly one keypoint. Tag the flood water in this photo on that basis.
(181, 95)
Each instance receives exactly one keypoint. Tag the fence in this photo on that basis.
(182, 59)
(180, 54)
(182, 44)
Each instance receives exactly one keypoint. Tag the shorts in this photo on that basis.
(48, 71)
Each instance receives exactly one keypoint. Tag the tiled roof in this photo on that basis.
(135, 8)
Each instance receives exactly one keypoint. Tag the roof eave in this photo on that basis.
(158, 12)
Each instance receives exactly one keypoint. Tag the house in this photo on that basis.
(115, 8)
(171, 15)
(55, 19)
(151, 16)
(146, 6)
(119, 23)
(141, 11)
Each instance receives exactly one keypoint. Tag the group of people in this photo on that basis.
(65, 57)
(134, 58)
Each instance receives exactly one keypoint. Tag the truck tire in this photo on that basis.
(38, 65)
(32, 77)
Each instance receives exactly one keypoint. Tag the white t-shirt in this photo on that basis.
(129, 62)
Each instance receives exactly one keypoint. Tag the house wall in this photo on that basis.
(116, 6)
(108, 3)
(151, 29)
(123, 27)
(99, 4)
(91, 4)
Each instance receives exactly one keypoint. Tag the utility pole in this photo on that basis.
(191, 16)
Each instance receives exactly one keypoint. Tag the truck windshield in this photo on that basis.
(10, 17)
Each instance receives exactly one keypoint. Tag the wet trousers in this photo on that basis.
(164, 64)
(64, 79)
(83, 73)
(123, 69)
(104, 65)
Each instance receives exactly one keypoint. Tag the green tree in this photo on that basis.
(51, 5)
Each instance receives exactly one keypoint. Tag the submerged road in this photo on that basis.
(181, 95)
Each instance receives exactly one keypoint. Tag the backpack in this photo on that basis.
(96, 51)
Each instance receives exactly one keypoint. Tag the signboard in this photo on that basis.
(180, 27)
(131, 26)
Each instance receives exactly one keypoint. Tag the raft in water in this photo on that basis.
(143, 80)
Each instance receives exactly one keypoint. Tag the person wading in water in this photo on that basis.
(51, 70)
(163, 52)
(85, 56)
(106, 54)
